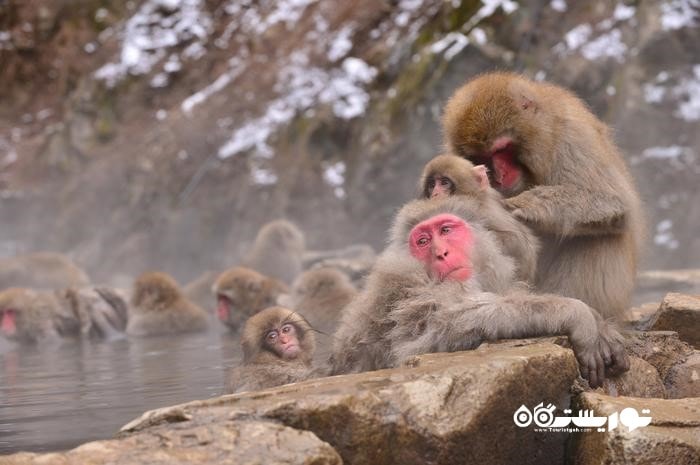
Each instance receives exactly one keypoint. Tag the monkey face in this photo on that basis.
(438, 186)
(8, 322)
(284, 341)
(442, 243)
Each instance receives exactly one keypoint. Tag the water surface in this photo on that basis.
(58, 396)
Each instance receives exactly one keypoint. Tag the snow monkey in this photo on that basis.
(278, 348)
(444, 285)
(448, 175)
(562, 175)
(277, 252)
(159, 307)
(41, 270)
(241, 293)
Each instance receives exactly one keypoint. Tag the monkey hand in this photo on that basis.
(526, 208)
(614, 354)
(599, 352)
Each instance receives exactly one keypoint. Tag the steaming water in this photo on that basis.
(57, 397)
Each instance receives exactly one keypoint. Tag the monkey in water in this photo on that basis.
(447, 175)
(278, 251)
(159, 307)
(41, 270)
(29, 316)
(320, 294)
(278, 348)
(242, 292)
(562, 175)
(444, 285)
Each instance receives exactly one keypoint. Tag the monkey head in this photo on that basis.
(20, 320)
(280, 234)
(155, 291)
(446, 238)
(496, 120)
(280, 333)
(241, 292)
(447, 175)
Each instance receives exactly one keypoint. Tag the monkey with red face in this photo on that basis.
(278, 348)
(443, 284)
(562, 175)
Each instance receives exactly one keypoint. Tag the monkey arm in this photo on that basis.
(570, 210)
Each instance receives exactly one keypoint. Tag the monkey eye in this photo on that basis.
(446, 229)
(287, 328)
(271, 336)
(445, 182)
(422, 241)
(431, 183)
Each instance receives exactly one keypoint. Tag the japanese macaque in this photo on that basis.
(320, 295)
(29, 316)
(443, 284)
(241, 293)
(278, 348)
(159, 307)
(41, 270)
(277, 252)
(355, 261)
(447, 175)
(562, 175)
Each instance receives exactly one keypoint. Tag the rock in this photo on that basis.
(241, 442)
(642, 380)
(638, 317)
(672, 438)
(683, 380)
(662, 349)
(680, 313)
(446, 408)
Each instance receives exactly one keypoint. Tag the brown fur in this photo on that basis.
(159, 307)
(402, 312)
(577, 193)
(320, 295)
(277, 252)
(41, 270)
(516, 239)
(246, 292)
(68, 313)
(263, 368)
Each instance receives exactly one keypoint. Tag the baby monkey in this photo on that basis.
(278, 348)
(450, 175)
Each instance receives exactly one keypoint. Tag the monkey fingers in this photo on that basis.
(592, 367)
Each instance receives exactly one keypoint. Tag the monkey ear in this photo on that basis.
(481, 176)
(526, 103)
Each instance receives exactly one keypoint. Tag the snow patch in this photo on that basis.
(263, 176)
(451, 44)
(341, 44)
(664, 235)
(623, 12)
(677, 14)
(236, 68)
(156, 27)
(334, 176)
(686, 93)
(608, 45)
(558, 5)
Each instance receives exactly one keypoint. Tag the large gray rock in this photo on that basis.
(672, 438)
(241, 442)
(683, 380)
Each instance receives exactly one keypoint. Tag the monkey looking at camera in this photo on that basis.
(447, 175)
(277, 252)
(159, 307)
(443, 284)
(278, 348)
(562, 175)
(241, 293)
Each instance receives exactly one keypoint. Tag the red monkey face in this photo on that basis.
(443, 244)
(505, 174)
(8, 325)
(284, 341)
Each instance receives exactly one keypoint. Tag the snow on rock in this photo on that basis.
(156, 27)
(683, 91)
(608, 45)
(334, 176)
(301, 87)
(677, 14)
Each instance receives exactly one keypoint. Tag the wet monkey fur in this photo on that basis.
(562, 175)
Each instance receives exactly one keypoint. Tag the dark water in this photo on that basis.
(57, 397)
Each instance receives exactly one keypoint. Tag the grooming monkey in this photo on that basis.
(443, 284)
(278, 348)
(562, 175)
(447, 175)
(242, 292)
(159, 307)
